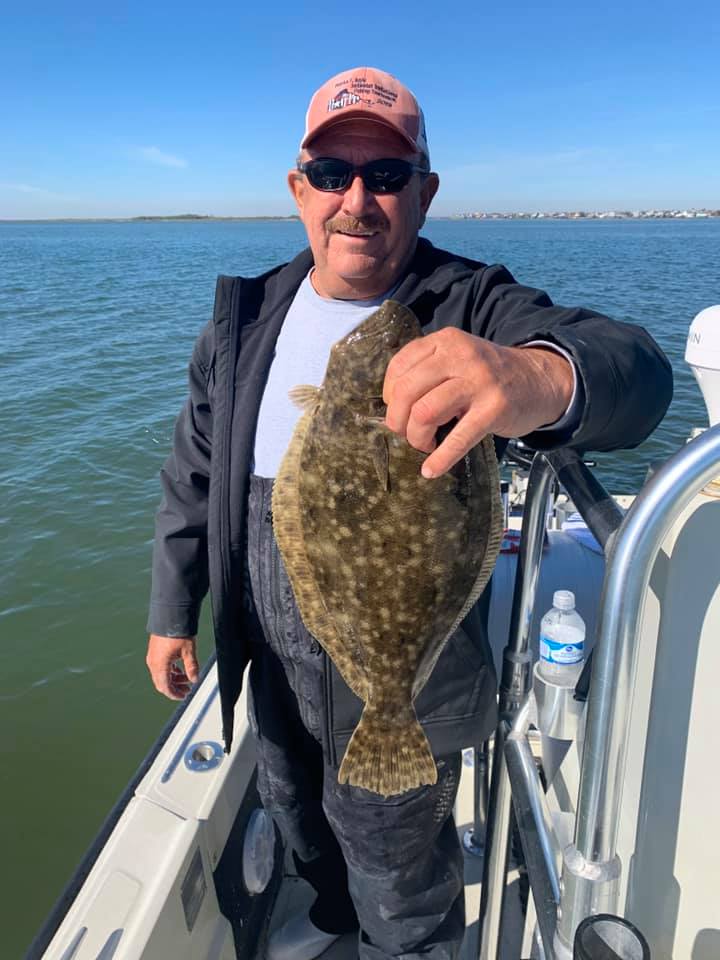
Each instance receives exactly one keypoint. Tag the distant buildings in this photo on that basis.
(594, 215)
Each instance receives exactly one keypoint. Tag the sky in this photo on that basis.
(160, 108)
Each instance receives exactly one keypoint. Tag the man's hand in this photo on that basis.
(172, 664)
(509, 391)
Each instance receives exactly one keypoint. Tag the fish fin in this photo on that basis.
(381, 458)
(288, 528)
(485, 451)
(304, 395)
(387, 760)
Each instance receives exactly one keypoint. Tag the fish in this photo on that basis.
(384, 564)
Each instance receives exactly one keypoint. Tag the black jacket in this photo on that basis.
(200, 529)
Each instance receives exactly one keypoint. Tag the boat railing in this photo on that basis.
(581, 880)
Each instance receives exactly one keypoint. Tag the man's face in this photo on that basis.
(361, 241)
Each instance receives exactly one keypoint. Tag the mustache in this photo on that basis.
(353, 225)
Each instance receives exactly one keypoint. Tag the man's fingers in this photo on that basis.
(166, 684)
(425, 393)
(434, 409)
(179, 681)
(423, 365)
(412, 388)
(169, 681)
(173, 684)
(180, 686)
(468, 431)
(178, 674)
(489, 388)
(171, 661)
(190, 663)
(404, 360)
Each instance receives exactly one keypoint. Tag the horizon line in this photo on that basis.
(576, 214)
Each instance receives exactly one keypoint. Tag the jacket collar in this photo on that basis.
(431, 270)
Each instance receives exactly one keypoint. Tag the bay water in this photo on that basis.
(97, 322)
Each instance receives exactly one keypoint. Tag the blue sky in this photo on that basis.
(161, 108)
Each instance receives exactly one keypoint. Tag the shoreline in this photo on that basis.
(170, 218)
(704, 214)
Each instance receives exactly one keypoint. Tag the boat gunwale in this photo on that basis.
(66, 898)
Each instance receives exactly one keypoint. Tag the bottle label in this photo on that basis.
(553, 652)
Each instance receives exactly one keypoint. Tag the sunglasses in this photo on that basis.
(379, 176)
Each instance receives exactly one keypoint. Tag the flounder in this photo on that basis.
(384, 564)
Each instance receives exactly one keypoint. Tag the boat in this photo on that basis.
(585, 821)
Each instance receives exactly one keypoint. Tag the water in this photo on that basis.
(97, 322)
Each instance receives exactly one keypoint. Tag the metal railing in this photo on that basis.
(590, 868)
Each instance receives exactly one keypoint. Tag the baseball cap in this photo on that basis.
(370, 94)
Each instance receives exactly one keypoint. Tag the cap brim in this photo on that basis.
(350, 114)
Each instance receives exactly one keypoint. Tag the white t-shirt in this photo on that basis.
(312, 325)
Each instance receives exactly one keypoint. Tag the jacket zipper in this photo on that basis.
(225, 560)
(327, 712)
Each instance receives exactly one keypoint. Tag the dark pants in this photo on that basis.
(393, 864)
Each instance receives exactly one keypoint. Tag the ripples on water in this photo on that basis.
(97, 323)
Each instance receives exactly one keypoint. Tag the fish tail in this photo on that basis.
(388, 759)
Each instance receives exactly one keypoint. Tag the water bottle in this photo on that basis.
(562, 641)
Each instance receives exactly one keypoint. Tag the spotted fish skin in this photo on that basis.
(384, 564)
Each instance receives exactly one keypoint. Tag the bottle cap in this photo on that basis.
(564, 600)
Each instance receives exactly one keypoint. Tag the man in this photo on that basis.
(496, 358)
